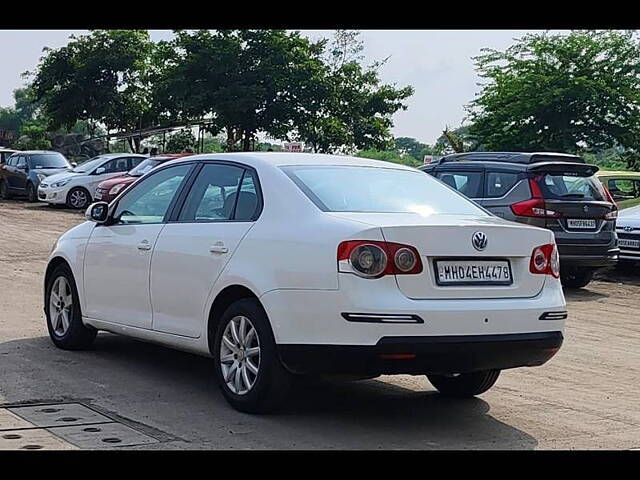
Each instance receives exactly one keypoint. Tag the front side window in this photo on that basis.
(117, 165)
(467, 183)
(623, 189)
(378, 190)
(149, 199)
(214, 196)
(22, 162)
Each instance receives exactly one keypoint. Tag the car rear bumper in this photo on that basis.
(578, 255)
(425, 354)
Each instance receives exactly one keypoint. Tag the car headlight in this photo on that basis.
(60, 183)
(41, 177)
(116, 188)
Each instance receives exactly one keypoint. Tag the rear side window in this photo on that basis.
(221, 193)
(467, 183)
(499, 183)
(563, 187)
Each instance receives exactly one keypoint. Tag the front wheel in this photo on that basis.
(4, 190)
(249, 372)
(78, 198)
(464, 384)
(62, 309)
(576, 278)
(32, 195)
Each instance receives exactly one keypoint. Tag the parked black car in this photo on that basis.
(22, 172)
(551, 190)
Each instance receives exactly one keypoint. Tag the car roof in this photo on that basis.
(280, 159)
(510, 157)
(34, 152)
(617, 173)
(123, 154)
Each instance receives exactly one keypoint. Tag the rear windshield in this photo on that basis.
(378, 190)
(565, 187)
(145, 167)
(49, 160)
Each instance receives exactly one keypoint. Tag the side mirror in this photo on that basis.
(97, 212)
(100, 170)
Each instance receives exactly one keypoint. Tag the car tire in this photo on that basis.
(64, 321)
(32, 195)
(252, 381)
(4, 190)
(576, 278)
(78, 198)
(465, 385)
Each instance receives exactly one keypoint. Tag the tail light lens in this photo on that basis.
(535, 206)
(373, 259)
(545, 260)
(613, 214)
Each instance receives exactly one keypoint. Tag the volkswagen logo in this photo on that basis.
(479, 241)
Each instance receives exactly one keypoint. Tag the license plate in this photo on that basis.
(98, 196)
(473, 272)
(581, 223)
(629, 243)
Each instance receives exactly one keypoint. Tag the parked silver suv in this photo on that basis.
(551, 190)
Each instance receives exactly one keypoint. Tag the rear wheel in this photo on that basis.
(247, 366)
(62, 309)
(32, 195)
(78, 198)
(4, 190)
(465, 384)
(576, 277)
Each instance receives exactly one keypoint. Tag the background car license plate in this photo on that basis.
(581, 223)
(473, 272)
(629, 243)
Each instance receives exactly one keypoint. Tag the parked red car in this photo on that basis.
(109, 189)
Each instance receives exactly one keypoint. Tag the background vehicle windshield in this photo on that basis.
(378, 190)
(558, 187)
(49, 160)
(89, 165)
(144, 167)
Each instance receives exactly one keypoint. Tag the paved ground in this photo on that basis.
(585, 398)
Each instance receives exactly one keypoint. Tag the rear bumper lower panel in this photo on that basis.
(433, 354)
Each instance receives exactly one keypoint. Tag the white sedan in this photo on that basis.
(283, 264)
(77, 187)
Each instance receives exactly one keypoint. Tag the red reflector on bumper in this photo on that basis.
(397, 356)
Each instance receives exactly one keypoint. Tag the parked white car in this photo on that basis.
(277, 264)
(77, 187)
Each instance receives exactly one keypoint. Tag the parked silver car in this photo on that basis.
(628, 229)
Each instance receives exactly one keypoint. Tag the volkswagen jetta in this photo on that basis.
(283, 264)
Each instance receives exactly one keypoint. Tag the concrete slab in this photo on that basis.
(32, 439)
(10, 421)
(104, 435)
(59, 414)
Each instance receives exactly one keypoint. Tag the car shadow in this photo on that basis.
(176, 392)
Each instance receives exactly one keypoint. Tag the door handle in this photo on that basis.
(144, 245)
(218, 247)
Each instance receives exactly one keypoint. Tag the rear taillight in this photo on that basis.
(545, 260)
(535, 206)
(613, 214)
(373, 259)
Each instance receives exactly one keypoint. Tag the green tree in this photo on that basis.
(179, 141)
(243, 81)
(569, 93)
(349, 108)
(100, 78)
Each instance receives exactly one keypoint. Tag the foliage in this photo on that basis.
(568, 93)
(390, 156)
(102, 77)
(180, 141)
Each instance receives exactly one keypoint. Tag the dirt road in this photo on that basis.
(585, 398)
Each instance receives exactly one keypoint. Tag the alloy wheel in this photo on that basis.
(78, 198)
(240, 355)
(60, 306)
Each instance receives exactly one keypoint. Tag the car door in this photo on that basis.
(118, 254)
(17, 176)
(191, 252)
(112, 168)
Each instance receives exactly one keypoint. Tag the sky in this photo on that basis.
(437, 63)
